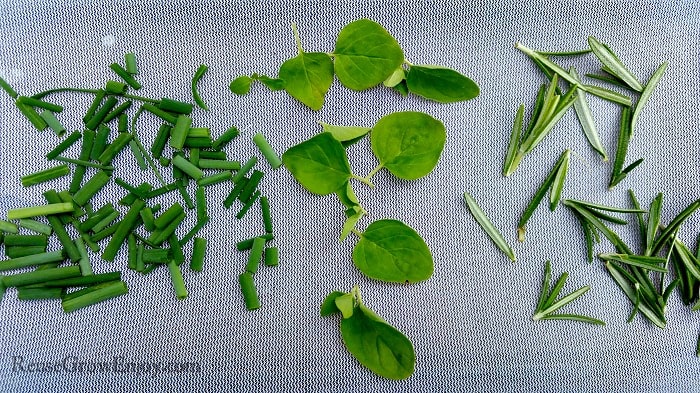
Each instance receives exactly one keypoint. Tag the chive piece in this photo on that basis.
(183, 192)
(272, 256)
(101, 113)
(23, 251)
(178, 282)
(148, 219)
(35, 226)
(125, 226)
(247, 244)
(84, 280)
(558, 183)
(39, 293)
(130, 62)
(250, 295)
(609, 95)
(646, 93)
(100, 142)
(45, 175)
(233, 195)
(117, 112)
(8, 89)
(176, 249)
(140, 160)
(247, 166)
(105, 233)
(140, 265)
(91, 188)
(198, 251)
(114, 148)
(163, 161)
(218, 164)
(119, 70)
(197, 143)
(193, 232)
(200, 197)
(99, 96)
(214, 179)
(37, 103)
(160, 113)
(267, 219)
(609, 59)
(114, 87)
(156, 255)
(251, 186)
(32, 260)
(179, 132)
(169, 215)
(84, 261)
(25, 240)
(241, 213)
(256, 253)
(95, 296)
(143, 190)
(585, 118)
(513, 141)
(104, 223)
(88, 140)
(40, 276)
(33, 116)
(42, 210)
(225, 138)
(53, 123)
(213, 155)
(267, 151)
(162, 190)
(98, 216)
(6, 226)
(160, 235)
(195, 79)
(194, 157)
(131, 251)
(64, 145)
(175, 106)
(187, 167)
(488, 227)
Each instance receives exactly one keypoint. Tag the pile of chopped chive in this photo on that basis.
(148, 230)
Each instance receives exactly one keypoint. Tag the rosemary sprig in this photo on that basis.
(488, 227)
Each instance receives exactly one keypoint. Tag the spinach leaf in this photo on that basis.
(307, 77)
(440, 84)
(241, 85)
(365, 55)
(389, 250)
(328, 306)
(347, 135)
(408, 144)
(347, 196)
(319, 164)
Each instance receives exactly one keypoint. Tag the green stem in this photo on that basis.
(368, 179)
(296, 38)
(64, 89)
(143, 149)
(408, 63)
(356, 294)
(363, 180)
(142, 99)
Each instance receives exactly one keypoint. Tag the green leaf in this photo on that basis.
(377, 345)
(350, 224)
(488, 226)
(623, 281)
(440, 84)
(646, 93)
(545, 286)
(319, 164)
(585, 117)
(389, 250)
(609, 59)
(398, 76)
(347, 135)
(328, 306)
(559, 179)
(347, 196)
(646, 262)
(241, 85)
(401, 88)
(408, 144)
(365, 55)
(574, 317)
(307, 77)
(653, 222)
(274, 84)
(345, 304)
(514, 140)
(609, 95)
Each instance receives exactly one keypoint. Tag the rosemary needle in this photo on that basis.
(488, 227)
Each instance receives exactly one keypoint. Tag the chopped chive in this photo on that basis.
(100, 142)
(193, 232)
(131, 251)
(24, 293)
(585, 118)
(140, 265)
(198, 251)
(179, 132)
(251, 186)
(169, 215)
(140, 160)
(174, 106)
(147, 218)
(115, 148)
(218, 164)
(267, 151)
(99, 96)
(256, 253)
(91, 188)
(65, 196)
(267, 219)
(98, 216)
(271, 256)
(114, 87)
(42, 210)
(488, 227)
(33, 116)
(125, 226)
(159, 113)
(97, 295)
(225, 138)
(117, 112)
(105, 233)
(8, 89)
(45, 175)
(241, 213)
(81, 163)
(162, 190)
(101, 113)
(513, 141)
(35, 226)
(178, 282)
(160, 235)
(214, 179)
(197, 143)
(176, 249)
(213, 155)
(23, 251)
(105, 222)
(6, 226)
(163, 161)
(558, 183)
(200, 197)
(88, 140)
(25, 240)
(40, 276)
(183, 192)
(199, 132)
(233, 195)
(84, 261)
(157, 255)
(187, 167)
(646, 93)
(52, 122)
(248, 243)
(194, 156)
(130, 62)
(84, 280)
(119, 70)
(195, 92)
(250, 295)
(247, 166)
(32, 260)
(64, 145)
(609, 59)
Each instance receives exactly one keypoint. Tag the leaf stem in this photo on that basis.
(297, 38)
(363, 180)
(356, 294)
(356, 232)
(374, 172)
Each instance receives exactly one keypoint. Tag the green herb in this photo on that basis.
(33, 225)
(45, 175)
(130, 62)
(609, 59)
(32, 260)
(585, 117)
(40, 276)
(198, 253)
(271, 256)
(488, 227)
(646, 94)
(515, 138)
(389, 250)
(64, 145)
(178, 282)
(94, 295)
(44, 210)
(250, 295)
(347, 135)
(370, 339)
(126, 76)
(440, 84)
(53, 123)
(319, 164)
(267, 151)
(548, 304)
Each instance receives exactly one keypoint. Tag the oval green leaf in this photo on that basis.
(319, 164)
(440, 84)
(241, 85)
(308, 77)
(347, 135)
(408, 144)
(377, 345)
(390, 250)
(365, 55)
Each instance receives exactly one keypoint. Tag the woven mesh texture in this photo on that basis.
(470, 323)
